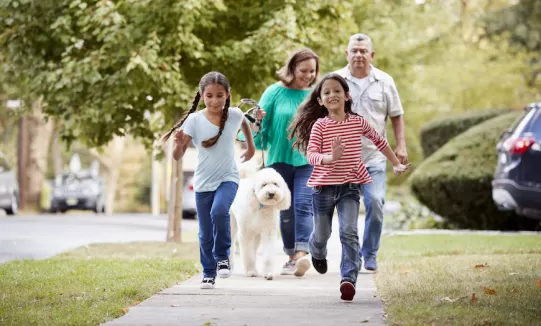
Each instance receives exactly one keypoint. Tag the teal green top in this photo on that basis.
(281, 105)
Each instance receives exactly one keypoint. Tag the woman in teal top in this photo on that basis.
(280, 101)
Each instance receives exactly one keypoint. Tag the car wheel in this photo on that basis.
(14, 208)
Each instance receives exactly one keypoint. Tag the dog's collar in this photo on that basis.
(261, 206)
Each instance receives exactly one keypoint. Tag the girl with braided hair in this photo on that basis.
(213, 131)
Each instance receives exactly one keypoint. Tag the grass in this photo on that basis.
(91, 285)
(430, 279)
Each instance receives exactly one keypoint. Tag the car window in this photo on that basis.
(523, 123)
(535, 126)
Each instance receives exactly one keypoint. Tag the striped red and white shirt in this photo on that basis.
(350, 167)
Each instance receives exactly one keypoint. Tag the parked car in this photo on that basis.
(188, 198)
(82, 190)
(9, 187)
(517, 179)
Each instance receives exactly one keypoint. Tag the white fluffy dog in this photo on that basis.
(255, 214)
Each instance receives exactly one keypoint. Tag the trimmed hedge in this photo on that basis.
(438, 132)
(455, 182)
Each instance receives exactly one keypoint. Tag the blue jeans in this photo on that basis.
(374, 199)
(214, 225)
(346, 199)
(296, 223)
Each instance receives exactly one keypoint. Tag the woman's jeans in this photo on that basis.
(346, 199)
(214, 225)
(296, 223)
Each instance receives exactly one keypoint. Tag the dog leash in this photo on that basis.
(255, 110)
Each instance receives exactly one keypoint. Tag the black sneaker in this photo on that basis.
(224, 268)
(320, 265)
(207, 283)
(347, 289)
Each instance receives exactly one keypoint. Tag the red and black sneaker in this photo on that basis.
(347, 289)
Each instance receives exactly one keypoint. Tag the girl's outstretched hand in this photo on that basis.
(248, 154)
(400, 168)
(337, 148)
(180, 137)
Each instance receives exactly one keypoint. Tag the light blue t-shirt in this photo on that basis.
(215, 164)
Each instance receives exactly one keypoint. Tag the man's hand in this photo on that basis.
(400, 168)
(402, 154)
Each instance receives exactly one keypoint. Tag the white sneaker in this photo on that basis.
(289, 267)
(207, 283)
(224, 269)
(303, 264)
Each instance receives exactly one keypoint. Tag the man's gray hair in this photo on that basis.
(361, 37)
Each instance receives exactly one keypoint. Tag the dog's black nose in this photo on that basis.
(270, 194)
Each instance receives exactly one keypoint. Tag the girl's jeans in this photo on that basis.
(296, 223)
(214, 225)
(346, 199)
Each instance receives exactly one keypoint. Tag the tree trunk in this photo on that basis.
(175, 202)
(56, 151)
(155, 186)
(39, 136)
(114, 166)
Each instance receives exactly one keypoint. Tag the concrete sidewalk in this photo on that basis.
(287, 300)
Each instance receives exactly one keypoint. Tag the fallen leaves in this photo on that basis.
(482, 265)
(538, 283)
(515, 290)
(489, 291)
(124, 311)
(473, 298)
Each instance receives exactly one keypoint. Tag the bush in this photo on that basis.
(438, 132)
(455, 182)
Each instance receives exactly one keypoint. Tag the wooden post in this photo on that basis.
(175, 202)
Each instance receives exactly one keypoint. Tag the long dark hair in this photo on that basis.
(211, 78)
(310, 110)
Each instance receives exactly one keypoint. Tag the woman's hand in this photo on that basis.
(260, 114)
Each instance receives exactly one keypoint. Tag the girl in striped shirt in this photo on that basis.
(329, 133)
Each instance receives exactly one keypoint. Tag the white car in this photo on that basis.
(9, 187)
(188, 198)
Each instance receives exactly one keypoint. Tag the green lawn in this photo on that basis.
(431, 279)
(91, 285)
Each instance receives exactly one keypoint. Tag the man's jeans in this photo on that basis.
(374, 198)
(214, 225)
(296, 223)
(346, 199)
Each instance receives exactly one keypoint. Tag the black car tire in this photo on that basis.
(14, 206)
(189, 215)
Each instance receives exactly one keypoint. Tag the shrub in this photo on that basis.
(455, 182)
(438, 132)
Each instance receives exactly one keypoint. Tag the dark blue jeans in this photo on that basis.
(214, 225)
(296, 223)
(346, 199)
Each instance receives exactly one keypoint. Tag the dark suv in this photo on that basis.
(517, 180)
(82, 190)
